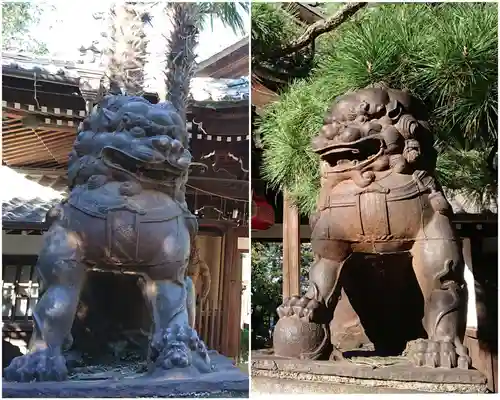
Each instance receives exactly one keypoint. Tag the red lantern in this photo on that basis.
(262, 214)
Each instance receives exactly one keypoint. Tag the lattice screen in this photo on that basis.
(20, 292)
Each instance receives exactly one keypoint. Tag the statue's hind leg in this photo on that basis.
(61, 274)
(439, 267)
(174, 343)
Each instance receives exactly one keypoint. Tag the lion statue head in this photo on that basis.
(375, 129)
(129, 137)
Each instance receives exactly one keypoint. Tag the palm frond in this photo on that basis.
(231, 14)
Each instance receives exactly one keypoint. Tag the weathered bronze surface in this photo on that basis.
(126, 212)
(379, 195)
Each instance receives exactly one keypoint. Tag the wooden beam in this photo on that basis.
(235, 293)
(309, 14)
(291, 249)
(53, 144)
(29, 134)
(52, 127)
(15, 129)
(262, 96)
(231, 294)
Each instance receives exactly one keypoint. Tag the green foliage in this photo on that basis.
(273, 26)
(17, 18)
(227, 12)
(267, 286)
(445, 54)
(244, 345)
(458, 169)
(267, 280)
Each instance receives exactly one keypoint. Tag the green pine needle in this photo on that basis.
(446, 55)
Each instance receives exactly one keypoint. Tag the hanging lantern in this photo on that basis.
(262, 214)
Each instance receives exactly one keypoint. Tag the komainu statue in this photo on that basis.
(379, 195)
(126, 212)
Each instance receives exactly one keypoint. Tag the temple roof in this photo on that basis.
(87, 77)
(24, 199)
(32, 210)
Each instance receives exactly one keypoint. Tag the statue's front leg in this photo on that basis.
(303, 330)
(61, 275)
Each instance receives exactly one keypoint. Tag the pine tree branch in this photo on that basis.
(322, 26)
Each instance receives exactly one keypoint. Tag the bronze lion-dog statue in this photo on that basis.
(379, 195)
(126, 212)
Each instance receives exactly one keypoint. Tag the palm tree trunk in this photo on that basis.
(187, 19)
(181, 57)
(128, 50)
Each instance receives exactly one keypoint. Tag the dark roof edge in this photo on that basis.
(222, 54)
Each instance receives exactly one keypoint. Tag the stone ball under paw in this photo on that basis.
(296, 338)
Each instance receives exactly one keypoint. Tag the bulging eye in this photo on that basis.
(137, 131)
(328, 131)
(363, 107)
(176, 145)
(351, 134)
(162, 142)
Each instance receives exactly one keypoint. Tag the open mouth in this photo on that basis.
(352, 155)
(119, 160)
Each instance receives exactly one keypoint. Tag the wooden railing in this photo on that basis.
(20, 289)
(209, 325)
(483, 359)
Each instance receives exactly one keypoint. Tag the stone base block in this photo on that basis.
(227, 381)
(271, 374)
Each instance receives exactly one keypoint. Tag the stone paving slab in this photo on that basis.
(226, 381)
(272, 374)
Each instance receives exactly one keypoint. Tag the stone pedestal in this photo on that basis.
(271, 374)
(226, 381)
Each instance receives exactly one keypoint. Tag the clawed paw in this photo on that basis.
(41, 365)
(303, 307)
(176, 346)
(438, 354)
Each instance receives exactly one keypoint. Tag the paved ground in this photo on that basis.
(227, 381)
